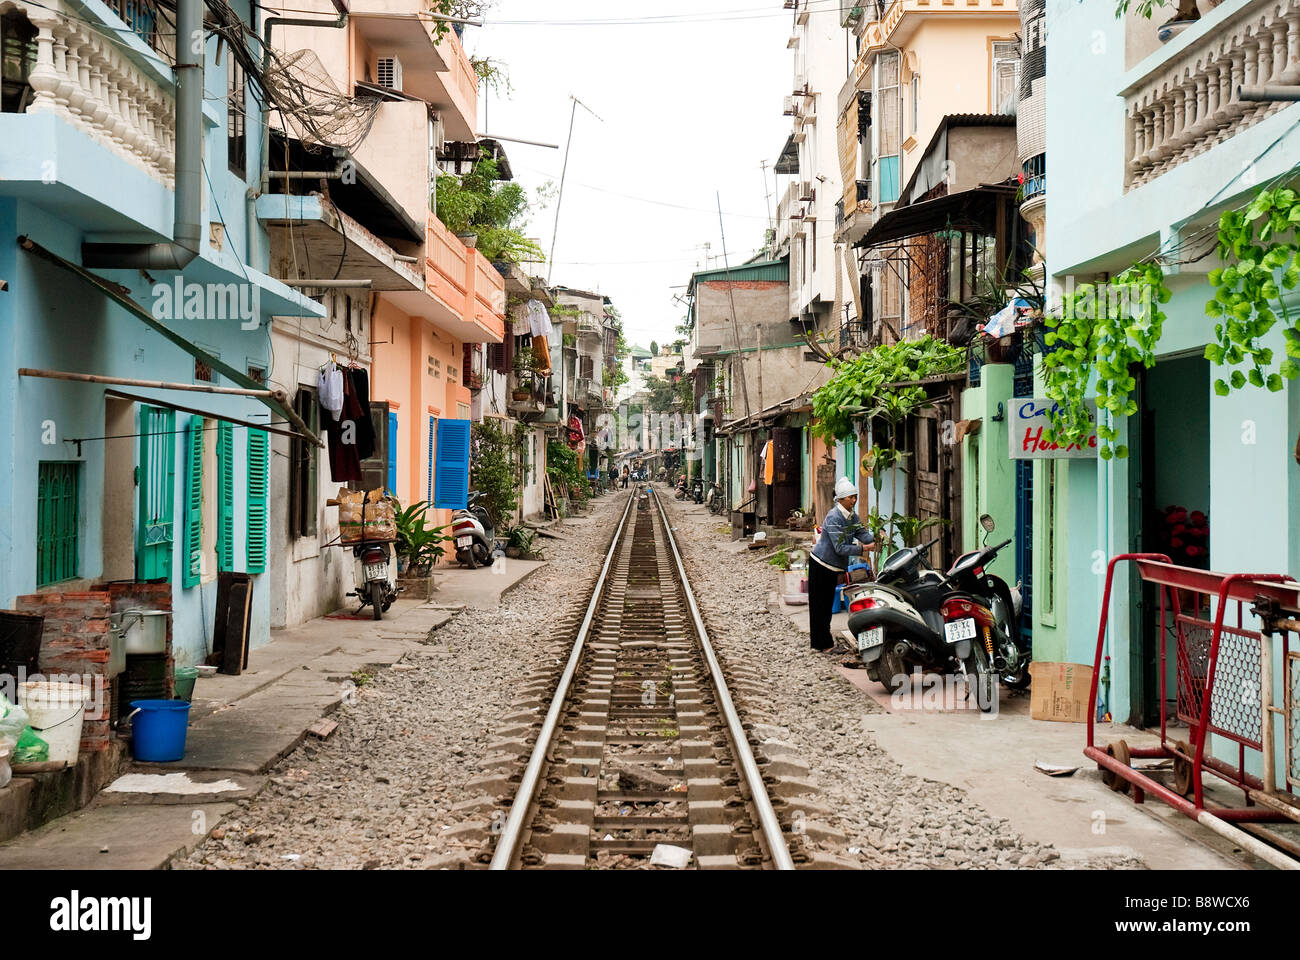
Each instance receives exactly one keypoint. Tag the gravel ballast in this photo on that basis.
(379, 793)
(891, 819)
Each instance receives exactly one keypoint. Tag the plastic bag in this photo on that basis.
(30, 749)
(13, 719)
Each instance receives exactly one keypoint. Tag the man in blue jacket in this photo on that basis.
(843, 539)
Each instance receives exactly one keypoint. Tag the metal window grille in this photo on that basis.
(57, 495)
(236, 117)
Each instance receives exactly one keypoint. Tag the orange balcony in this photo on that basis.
(458, 107)
(468, 293)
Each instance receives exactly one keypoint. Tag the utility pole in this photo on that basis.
(564, 171)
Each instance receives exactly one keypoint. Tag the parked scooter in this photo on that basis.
(474, 533)
(697, 490)
(716, 502)
(374, 576)
(904, 620)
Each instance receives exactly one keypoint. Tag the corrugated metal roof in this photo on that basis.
(776, 270)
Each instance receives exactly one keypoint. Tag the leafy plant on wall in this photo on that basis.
(1101, 331)
(496, 212)
(1260, 246)
(856, 383)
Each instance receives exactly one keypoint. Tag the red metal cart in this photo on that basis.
(1224, 686)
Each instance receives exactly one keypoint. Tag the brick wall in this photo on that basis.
(77, 635)
(149, 596)
(76, 641)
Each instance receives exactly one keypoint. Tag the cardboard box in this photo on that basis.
(1059, 691)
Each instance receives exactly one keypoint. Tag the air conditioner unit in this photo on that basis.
(388, 73)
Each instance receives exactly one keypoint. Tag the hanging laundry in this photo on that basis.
(365, 426)
(345, 458)
(541, 356)
(539, 321)
(329, 389)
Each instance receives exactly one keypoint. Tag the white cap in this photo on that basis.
(844, 488)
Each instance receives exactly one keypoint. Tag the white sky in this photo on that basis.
(690, 107)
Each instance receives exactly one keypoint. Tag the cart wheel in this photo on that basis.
(1182, 770)
(1118, 750)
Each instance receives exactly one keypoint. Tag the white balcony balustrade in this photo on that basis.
(1189, 104)
(88, 80)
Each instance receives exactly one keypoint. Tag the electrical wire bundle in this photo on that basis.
(295, 84)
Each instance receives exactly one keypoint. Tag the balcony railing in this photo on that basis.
(465, 283)
(87, 79)
(1189, 103)
(1034, 171)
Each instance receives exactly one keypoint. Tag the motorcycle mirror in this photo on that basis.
(987, 523)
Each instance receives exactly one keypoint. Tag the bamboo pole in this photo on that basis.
(150, 384)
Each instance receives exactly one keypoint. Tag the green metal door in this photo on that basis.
(155, 527)
(57, 496)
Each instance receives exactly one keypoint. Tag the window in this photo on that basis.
(236, 116)
(18, 50)
(1005, 82)
(889, 126)
(916, 103)
(57, 495)
(304, 468)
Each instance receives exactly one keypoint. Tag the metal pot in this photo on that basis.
(144, 631)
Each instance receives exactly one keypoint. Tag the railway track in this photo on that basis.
(642, 755)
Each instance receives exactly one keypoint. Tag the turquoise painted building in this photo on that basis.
(122, 479)
(1147, 153)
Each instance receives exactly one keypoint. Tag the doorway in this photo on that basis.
(1169, 471)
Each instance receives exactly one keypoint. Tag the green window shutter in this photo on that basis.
(225, 497)
(155, 531)
(255, 542)
(194, 505)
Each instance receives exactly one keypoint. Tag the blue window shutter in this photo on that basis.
(255, 541)
(392, 453)
(433, 427)
(451, 479)
(225, 496)
(194, 506)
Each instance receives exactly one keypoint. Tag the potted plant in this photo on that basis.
(418, 545)
(524, 365)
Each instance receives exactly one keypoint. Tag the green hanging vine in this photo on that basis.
(1102, 329)
(1247, 290)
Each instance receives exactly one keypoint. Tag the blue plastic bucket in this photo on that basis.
(158, 729)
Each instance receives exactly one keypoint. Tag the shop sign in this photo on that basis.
(1028, 423)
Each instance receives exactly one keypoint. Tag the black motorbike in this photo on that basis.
(965, 621)
(697, 490)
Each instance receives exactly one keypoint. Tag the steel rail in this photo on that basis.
(508, 840)
(771, 827)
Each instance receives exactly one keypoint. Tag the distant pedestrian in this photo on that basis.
(843, 539)
(626, 472)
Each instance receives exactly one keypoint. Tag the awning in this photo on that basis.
(278, 403)
(788, 161)
(975, 210)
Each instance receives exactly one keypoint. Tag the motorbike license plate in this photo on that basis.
(872, 637)
(464, 541)
(955, 631)
(376, 571)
